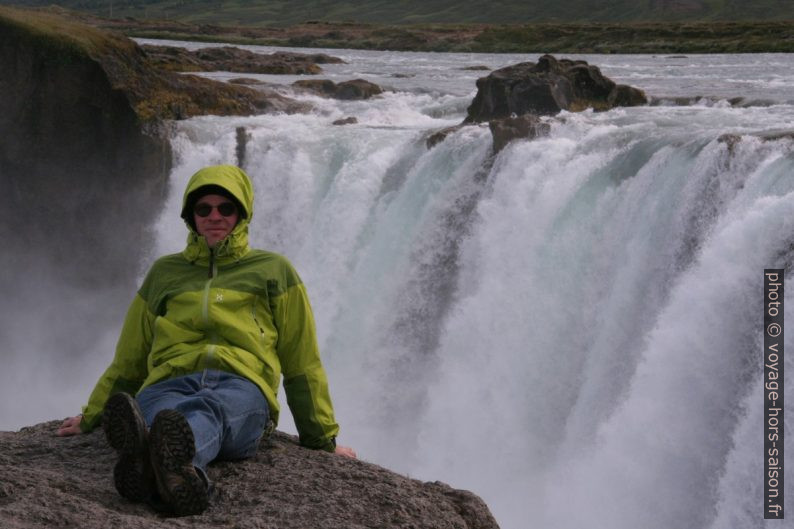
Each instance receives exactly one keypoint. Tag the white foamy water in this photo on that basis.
(571, 329)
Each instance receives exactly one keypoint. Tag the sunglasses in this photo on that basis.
(227, 209)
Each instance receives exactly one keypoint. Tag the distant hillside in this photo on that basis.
(290, 12)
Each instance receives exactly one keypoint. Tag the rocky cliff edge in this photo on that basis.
(153, 92)
(49, 481)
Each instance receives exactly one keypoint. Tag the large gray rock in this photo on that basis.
(546, 88)
(50, 481)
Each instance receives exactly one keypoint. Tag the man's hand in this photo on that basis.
(70, 426)
(345, 451)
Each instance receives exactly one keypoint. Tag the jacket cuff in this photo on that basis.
(330, 446)
(85, 426)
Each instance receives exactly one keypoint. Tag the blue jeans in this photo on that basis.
(226, 412)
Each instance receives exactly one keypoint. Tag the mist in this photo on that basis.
(57, 339)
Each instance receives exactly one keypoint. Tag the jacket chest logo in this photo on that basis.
(218, 297)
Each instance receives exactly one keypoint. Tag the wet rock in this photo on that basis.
(476, 68)
(245, 81)
(232, 59)
(242, 137)
(732, 139)
(323, 87)
(69, 482)
(441, 135)
(546, 88)
(345, 121)
(347, 90)
(506, 130)
(626, 96)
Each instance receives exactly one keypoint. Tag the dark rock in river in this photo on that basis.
(346, 121)
(441, 135)
(68, 482)
(246, 81)
(231, 59)
(242, 137)
(546, 88)
(355, 89)
(506, 130)
(732, 139)
(626, 96)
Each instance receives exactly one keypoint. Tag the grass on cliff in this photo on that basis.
(58, 34)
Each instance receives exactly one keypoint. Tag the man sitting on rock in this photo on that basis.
(204, 344)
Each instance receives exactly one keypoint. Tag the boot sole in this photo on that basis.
(125, 431)
(172, 449)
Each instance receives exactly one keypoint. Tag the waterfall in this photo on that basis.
(570, 328)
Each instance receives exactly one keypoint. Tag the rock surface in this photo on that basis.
(441, 135)
(350, 120)
(348, 90)
(49, 481)
(231, 59)
(511, 99)
(546, 88)
(247, 81)
(506, 130)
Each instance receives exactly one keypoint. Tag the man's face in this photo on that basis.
(210, 222)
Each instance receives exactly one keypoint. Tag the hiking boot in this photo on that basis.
(171, 448)
(125, 430)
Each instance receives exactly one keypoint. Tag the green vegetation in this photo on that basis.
(719, 37)
(702, 37)
(399, 12)
(259, 23)
(66, 38)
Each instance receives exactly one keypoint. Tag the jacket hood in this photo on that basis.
(237, 183)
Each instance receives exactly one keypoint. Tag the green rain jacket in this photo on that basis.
(230, 308)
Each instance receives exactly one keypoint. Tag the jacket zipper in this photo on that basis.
(205, 309)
